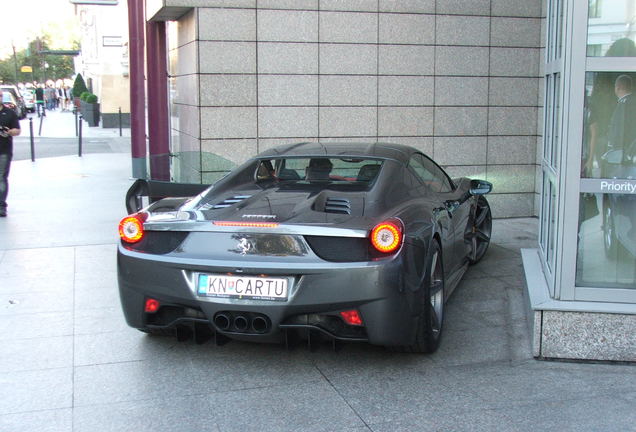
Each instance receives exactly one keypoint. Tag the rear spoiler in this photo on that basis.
(145, 192)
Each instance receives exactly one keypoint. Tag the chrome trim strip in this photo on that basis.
(208, 226)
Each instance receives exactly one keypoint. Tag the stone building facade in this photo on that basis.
(460, 80)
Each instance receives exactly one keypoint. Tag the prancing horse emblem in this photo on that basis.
(244, 246)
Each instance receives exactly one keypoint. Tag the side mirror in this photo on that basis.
(480, 187)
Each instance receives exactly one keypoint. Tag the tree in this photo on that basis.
(79, 86)
(45, 66)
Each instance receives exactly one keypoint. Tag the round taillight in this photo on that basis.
(131, 228)
(386, 236)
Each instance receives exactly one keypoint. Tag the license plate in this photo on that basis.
(242, 287)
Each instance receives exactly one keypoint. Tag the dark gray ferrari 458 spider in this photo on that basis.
(304, 242)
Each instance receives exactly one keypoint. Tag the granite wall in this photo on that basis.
(458, 79)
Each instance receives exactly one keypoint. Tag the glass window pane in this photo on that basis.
(549, 108)
(545, 205)
(556, 122)
(560, 28)
(173, 106)
(552, 224)
(611, 31)
(607, 203)
(430, 174)
(608, 119)
(547, 236)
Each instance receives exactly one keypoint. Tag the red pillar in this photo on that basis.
(158, 115)
(136, 27)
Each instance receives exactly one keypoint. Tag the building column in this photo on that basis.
(136, 23)
(158, 116)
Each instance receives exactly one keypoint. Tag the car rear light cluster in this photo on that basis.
(131, 228)
(387, 236)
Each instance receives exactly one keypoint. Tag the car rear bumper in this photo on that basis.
(317, 293)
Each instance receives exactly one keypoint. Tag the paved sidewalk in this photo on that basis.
(69, 363)
(61, 124)
(57, 136)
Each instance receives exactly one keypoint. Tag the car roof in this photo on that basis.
(7, 97)
(398, 152)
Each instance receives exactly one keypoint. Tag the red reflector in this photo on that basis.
(246, 224)
(152, 305)
(351, 317)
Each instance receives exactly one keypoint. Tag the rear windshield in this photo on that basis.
(319, 170)
(7, 97)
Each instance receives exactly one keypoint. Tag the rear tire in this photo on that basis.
(430, 323)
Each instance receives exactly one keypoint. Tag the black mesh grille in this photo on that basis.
(158, 242)
(340, 249)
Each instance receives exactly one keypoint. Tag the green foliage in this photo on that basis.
(84, 95)
(58, 66)
(79, 86)
(91, 98)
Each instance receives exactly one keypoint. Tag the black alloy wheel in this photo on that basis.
(479, 230)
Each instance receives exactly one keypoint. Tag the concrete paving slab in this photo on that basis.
(36, 301)
(36, 390)
(35, 325)
(314, 406)
(165, 415)
(36, 354)
(40, 421)
(16, 282)
(452, 419)
(96, 349)
(95, 320)
(589, 414)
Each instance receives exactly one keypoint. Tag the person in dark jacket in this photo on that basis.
(9, 127)
(39, 100)
(622, 128)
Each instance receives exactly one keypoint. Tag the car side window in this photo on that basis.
(430, 174)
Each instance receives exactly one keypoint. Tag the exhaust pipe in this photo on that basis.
(260, 325)
(222, 321)
(240, 323)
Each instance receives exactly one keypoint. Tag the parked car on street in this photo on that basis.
(344, 242)
(21, 109)
(10, 102)
(29, 100)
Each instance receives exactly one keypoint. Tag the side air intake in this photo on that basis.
(337, 205)
(228, 202)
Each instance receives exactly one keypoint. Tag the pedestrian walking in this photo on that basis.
(39, 100)
(9, 127)
(50, 96)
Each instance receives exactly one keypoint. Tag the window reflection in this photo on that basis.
(609, 23)
(595, 8)
(172, 31)
(607, 211)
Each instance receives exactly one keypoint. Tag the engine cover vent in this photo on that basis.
(337, 205)
(228, 202)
